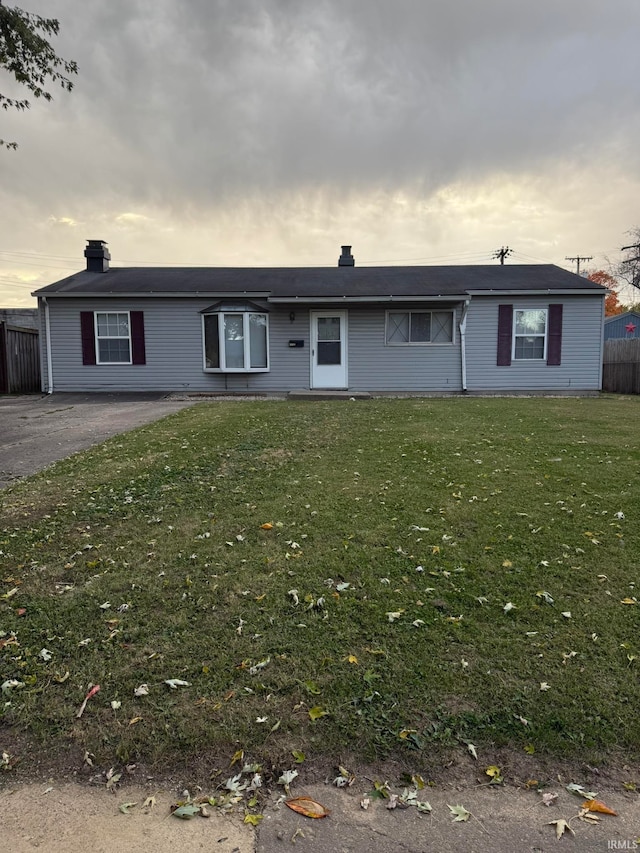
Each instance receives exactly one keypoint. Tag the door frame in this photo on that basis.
(313, 316)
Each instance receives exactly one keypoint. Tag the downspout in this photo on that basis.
(47, 337)
(463, 343)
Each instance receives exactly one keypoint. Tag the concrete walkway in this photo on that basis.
(68, 818)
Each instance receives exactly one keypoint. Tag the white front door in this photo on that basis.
(329, 349)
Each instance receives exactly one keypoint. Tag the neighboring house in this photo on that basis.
(417, 329)
(625, 325)
(26, 318)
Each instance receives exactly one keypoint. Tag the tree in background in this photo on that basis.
(27, 55)
(629, 267)
(612, 300)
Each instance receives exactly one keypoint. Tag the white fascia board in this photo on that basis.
(454, 297)
(538, 292)
(191, 294)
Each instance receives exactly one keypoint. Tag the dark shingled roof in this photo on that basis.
(321, 282)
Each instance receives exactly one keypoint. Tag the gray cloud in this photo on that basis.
(293, 118)
(206, 99)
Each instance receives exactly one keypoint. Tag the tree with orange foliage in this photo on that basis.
(612, 300)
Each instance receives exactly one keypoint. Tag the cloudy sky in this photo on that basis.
(270, 132)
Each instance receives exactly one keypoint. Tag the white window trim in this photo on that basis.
(221, 350)
(543, 357)
(420, 343)
(99, 338)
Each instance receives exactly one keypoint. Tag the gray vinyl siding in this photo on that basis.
(581, 363)
(173, 341)
(373, 366)
(44, 384)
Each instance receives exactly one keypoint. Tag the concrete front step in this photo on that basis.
(325, 394)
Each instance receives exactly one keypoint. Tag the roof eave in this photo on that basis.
(541, 291)
(452, 297)
(189, 294)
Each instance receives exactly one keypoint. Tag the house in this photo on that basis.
(625, 326)
(409, 329)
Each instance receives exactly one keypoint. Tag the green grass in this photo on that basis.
(441, 511)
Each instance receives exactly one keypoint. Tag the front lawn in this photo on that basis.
(378, 576)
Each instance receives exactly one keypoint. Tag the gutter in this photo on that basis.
(463, 343)
(170, 294)
(540, 291)
(338, 299)
(47, 337)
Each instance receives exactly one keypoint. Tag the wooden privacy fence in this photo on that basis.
(621, 366)
(19, 360)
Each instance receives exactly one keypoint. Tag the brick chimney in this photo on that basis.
(97, 256)
(346, 258)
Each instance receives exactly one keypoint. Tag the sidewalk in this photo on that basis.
(70, 818)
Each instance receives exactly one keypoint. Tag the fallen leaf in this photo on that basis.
(561, 826)
(113, 779)
(459, 813)
(317, 712)
(472, 750)
(125, 807)
(266, 526)
(307, 807)
(253, 819)
(588, 817)
(495, 774)
(174, 683)
(11, 684)
(597, 806)
(549, 799)
(579, 791)
(424, 806)
(287, 777)
(544, 595)
(509, 606)
(89, 695)
(187, 811)
(392, 616)
(299, 756)
(149, 803)
(143, 690)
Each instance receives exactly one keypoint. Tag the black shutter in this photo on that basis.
(505, 326)
(138, 355)
(554, 341)
(87, 333)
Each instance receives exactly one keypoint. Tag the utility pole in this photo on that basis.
(502, 253)
(577, 260)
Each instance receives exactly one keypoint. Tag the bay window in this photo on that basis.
(235, 339)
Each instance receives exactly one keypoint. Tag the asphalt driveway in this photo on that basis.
(38, 430)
